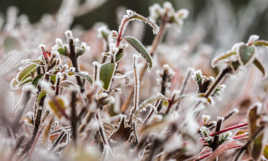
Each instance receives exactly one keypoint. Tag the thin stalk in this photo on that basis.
(155, 44)
(217, 81)
(183, 87)
(136, 87)
(228, 129)
(74, 61)
(216, 137)
(73, 116)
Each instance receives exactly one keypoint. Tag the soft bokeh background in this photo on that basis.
(214, 15)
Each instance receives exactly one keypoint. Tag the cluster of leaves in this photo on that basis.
(85, 114)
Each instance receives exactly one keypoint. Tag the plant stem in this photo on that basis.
(230, 128)
(74, 61)
(217, 81)
(155, 44)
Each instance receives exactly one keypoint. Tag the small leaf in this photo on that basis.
(53, 79)
(25, 81)
(135, 16)
(106, 74)
(36, 80)
(57, 106)
(41, 95)
(265, 151)
(140, 48)
(222, 57)
(261, 43)
(62, 51)
(119, 55)
(14, 83)
(259, 65)
(246, 53)
(26, 72)
(256, 147)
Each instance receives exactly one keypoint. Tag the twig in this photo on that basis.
(73, 116)
(136, 87)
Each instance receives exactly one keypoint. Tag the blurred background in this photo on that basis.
(224, 21)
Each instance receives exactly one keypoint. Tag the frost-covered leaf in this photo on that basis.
(122, 133)
(63, 51)
(223, 57)
(119, 55)
(57, 106)
(265, 151)
(253, 116)
(26, 72)
(261, 43)
(256, 147)
(41, 95)
(106, 74)
(246, 53)
(259, 65)
(140, 48)
(36, 80)
(135, 16)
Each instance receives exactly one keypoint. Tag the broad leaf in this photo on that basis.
(57, 106)
(106, 74)
(41, 95)
(63, 51)
(140, 48)
(256, 147)
(259, 65)
(246, 53)
(36, 80)
(26, 72)
(265, 151)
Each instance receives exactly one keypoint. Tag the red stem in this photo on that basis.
(229, 128)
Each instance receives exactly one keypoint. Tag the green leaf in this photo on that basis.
(53, 79)
(257, 147)
(41, 95)
(36, 80)
(106, 74)
(259, 65)
(261, 43)
(265, 151)
(140, 48)
(26, 72)
(62, 51)
(119, 55)
(246, 53)
(224, 56)
(25, 81)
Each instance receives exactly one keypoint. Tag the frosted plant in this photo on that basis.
(110, 97)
